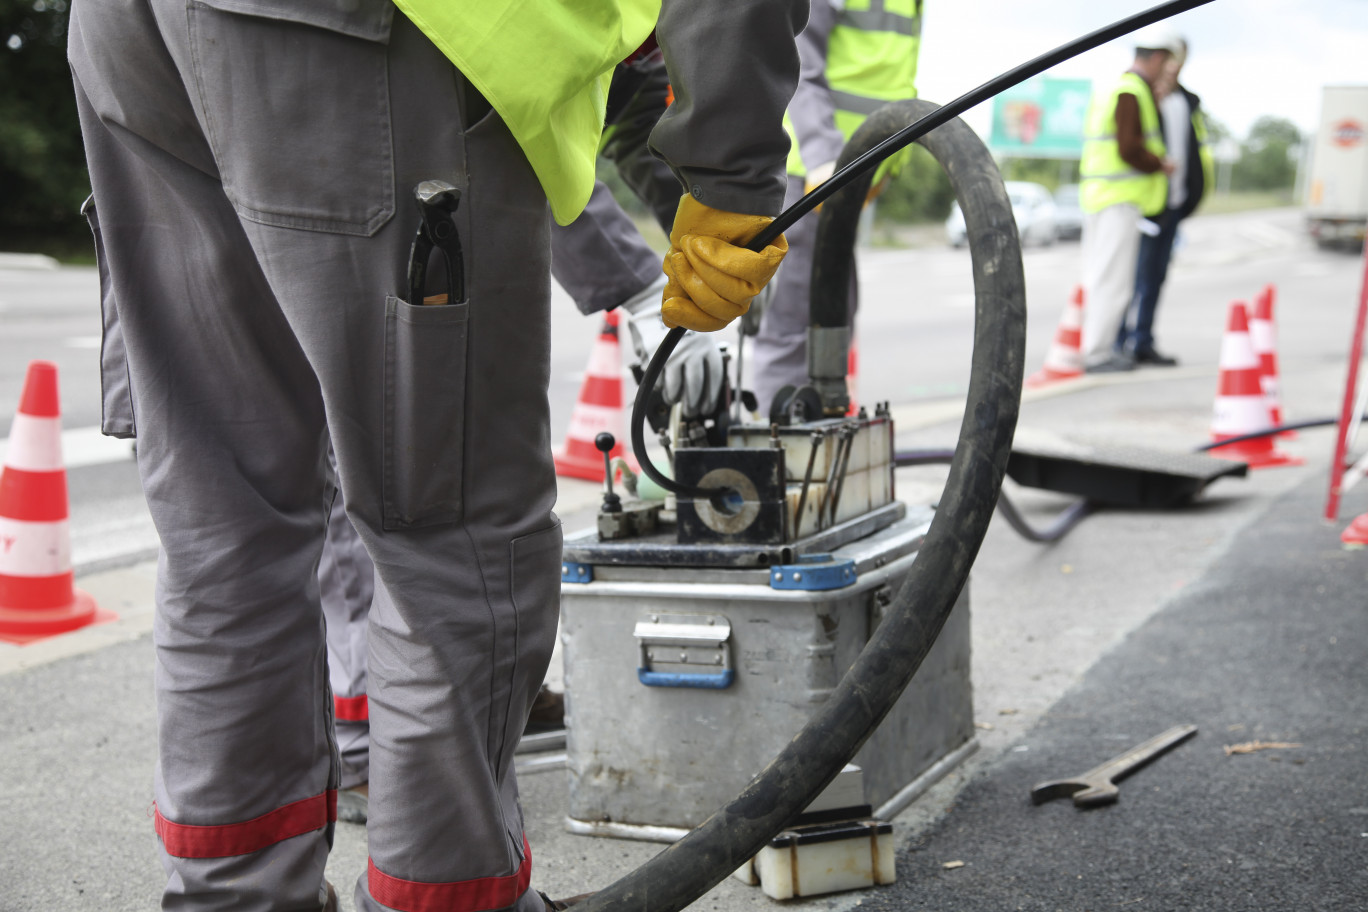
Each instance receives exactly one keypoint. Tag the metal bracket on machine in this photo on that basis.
(573, 572)
(813, 573)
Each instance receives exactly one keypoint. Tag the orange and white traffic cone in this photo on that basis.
(1355, 535)
(1264, 334)
(37, 597)
(1064, 360)
(1240, 404)
(599, 409)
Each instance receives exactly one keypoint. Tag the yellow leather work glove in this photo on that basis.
(710, 277)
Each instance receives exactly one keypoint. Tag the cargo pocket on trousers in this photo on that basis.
(116, 397)
(319, 161)
(424, 431)
(534, 574)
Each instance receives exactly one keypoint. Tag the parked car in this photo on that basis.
(1032, 207)
(1068, 216)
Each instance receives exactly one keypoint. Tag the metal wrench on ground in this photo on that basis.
(1098, 786)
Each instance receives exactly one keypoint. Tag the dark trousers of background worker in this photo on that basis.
(1136, 335)
(255, 256)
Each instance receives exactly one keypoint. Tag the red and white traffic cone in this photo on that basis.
(1240, 404)
(37, 597)
(1355, 535)
(1064, 360)
(1263, 332)
(599, 409)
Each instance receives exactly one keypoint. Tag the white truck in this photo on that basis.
(1337, 193)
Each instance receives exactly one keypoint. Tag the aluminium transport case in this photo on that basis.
(682, 683)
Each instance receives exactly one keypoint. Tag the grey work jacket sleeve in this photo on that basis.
(813, 111)
(733, 66)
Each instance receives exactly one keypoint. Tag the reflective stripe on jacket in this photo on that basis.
(1106, 179)
(545, 67)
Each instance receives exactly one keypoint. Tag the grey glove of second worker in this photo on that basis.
(693, 375)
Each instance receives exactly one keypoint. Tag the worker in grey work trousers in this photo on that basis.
(602, 262)
(253, 167)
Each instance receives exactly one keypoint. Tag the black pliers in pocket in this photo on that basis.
(437, 203)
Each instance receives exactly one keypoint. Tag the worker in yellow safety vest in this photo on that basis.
(1123, 178)
(858, 55)
(1185, 135)
(321, 220)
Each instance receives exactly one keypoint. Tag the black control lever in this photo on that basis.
(604, 443)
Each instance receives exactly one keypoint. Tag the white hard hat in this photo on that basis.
(1161, 38)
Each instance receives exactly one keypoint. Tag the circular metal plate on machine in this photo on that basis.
(745, 496)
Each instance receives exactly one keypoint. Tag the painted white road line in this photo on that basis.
(88, 447)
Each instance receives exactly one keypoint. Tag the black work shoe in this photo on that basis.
(331, 904)
(1153, 358)
(1113, 363)
(353, 803)
(560, 905)
(548, 712)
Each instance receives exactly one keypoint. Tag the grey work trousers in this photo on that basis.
(600, 258)
(779, 351)
(346, 585)
(252, 175)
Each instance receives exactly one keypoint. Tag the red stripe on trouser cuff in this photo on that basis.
(183, 840)
(459, 896)
(33, 496)
(351, 709)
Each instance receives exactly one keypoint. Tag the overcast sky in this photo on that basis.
(1247, 58)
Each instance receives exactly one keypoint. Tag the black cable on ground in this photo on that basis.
(1061, 526)
(1269, 432)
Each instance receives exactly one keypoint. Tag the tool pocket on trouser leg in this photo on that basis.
(425, 386)
(320, 161)
(115, 390)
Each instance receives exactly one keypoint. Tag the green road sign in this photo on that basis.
(1041, 118)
